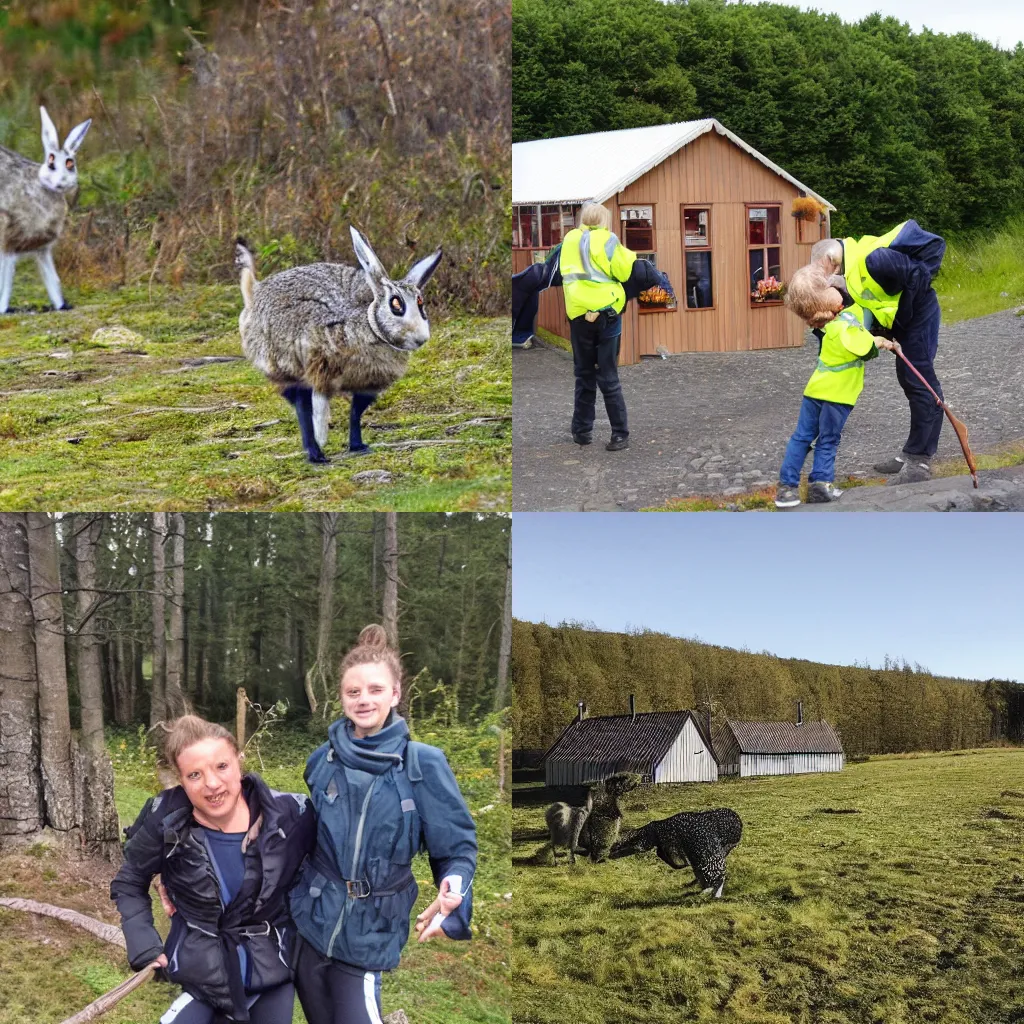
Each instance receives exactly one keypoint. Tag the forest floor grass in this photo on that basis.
(983, 274)
(890, 893)
(49, 970)
(101, 409)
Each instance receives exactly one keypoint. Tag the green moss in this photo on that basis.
(116, 420)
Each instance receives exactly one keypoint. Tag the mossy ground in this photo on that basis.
(49, 970)
(150, 432)
(907, 911)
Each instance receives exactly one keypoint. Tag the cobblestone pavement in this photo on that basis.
(718, 423)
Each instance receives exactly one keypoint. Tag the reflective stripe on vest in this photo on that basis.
(590, 272)
(842, 366)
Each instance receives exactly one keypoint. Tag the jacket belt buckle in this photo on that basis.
(248, 932)
(359, 888)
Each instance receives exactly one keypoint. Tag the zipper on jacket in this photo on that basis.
(355, 861)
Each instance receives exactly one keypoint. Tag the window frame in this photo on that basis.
(683, 207)
(571, 208)
(640, 307)
(754, 304)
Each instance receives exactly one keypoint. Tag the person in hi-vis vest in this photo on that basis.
(890, 277)
(593, 265)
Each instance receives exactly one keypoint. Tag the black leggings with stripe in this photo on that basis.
(332, 992)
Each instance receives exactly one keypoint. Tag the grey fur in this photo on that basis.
(702, 839)
(565, 823)
(601, 828)
(33, 206)
(334, 328)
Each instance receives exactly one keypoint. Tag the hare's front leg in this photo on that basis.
(301, 396)
(48, 272)
(361, 401)
(7, 265)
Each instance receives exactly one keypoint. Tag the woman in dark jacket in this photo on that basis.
(380, 798)
(227, 848)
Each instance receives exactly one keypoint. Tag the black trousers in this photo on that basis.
(595, 355)
(332, 992)
(920, 341)
(273, 1007)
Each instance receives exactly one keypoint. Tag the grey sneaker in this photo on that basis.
(916, 469)
(822, 492)
(786, 497)
(616, 444)
(893, 465)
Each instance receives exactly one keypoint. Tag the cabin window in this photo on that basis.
(697, 243)
(638, 234)
(541, 227)
(525, 228)
(764, 251)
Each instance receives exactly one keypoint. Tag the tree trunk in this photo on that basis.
(318, 678)
(55, 757)
(158, 699)
(505, 648)
(21, 798)
(176, 702)
(390, 610)
(90, 680)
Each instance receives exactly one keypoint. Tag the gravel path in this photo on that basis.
(718, 423)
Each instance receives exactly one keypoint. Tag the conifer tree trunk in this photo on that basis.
(505, 647)
(158, 697)
(176, 702)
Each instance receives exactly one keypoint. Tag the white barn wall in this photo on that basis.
(788, 764)
(577, 773)
(687, 760)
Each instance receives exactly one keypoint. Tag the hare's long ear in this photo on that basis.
(420, 273)
(51, 143)
(77, 137)
(369, 262)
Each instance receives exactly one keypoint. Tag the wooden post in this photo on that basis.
(240, 703)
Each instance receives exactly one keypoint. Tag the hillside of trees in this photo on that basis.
(888, 710)
(884, 122)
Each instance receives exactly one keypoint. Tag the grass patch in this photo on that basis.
(982, 275)
(117, 420)
(906, 912)
(553, 340)
(51, 971)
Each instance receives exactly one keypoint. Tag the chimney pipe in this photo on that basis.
(799, 712)
(579, 711)
(632, 707)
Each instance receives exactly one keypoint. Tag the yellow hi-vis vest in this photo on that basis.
(839, 376)
(593, 262)
(863, 288)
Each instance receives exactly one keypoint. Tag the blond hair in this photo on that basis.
(811, 296)
(189, 729)
(372, 647)
(594, 215)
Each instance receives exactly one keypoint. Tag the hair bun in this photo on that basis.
(374, 636)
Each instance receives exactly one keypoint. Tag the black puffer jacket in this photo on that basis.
(202, 948)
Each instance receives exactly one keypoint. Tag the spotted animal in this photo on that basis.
(602, 826)
(702, 839)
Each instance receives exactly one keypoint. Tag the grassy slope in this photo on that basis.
(907, 912)
(57, 382)
(49, 971)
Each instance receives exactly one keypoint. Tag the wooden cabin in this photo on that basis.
(778, 748)
(701, 204)
(662, 746)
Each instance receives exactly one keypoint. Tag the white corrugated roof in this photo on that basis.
(597, 166)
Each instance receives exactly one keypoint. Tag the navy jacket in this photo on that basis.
(202, 947)
(378, 802)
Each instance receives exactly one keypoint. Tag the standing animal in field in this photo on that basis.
(601, 827)
(327, 328)
(565, 823)
(33, 207)
(702, 839)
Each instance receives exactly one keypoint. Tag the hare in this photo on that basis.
(327, 328)
(32, 207)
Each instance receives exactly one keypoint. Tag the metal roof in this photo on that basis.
(786, 738)
(631, 742)
(575, 168)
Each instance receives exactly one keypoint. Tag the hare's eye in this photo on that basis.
(50, 162)
(69, 164)
(419, 302)
(397, 305)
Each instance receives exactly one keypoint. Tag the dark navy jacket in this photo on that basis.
(202, 947)
(378, 802)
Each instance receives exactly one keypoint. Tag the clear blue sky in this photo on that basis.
(944, 591)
